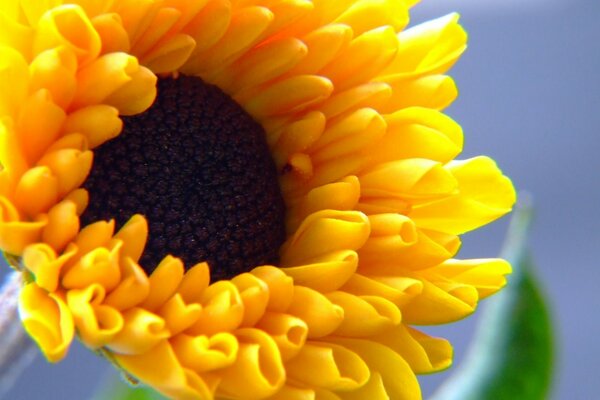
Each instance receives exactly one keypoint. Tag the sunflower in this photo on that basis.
(241, 199)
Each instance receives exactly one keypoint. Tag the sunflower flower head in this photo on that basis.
(241, 199)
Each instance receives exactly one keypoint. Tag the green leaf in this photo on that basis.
(119, 390)
(512, 353)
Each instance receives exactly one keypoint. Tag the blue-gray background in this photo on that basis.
(529, 97)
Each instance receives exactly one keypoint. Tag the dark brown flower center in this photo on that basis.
(199, 169)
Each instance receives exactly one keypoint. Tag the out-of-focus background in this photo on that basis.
(530, 98)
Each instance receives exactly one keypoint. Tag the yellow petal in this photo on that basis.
(368, 14)
(286, 96)
(204, 353)
(326, 273)
(398, 379)
(320, 315)
(37, 134)
(133, 235)
(141, 331)
(54, 70)
(281, 287)
(288, 332)
(48, 321)
(98, 123)
(164, 282)
(255, 296)
(363, 59)
(112, 34)
(222, 310)
(68, 26)
(45, 265)
(70, 166)
(62, 226)
(258, 371)
(364, 315)
(484, 194)
(171, 379)
(194, 282)
(100, 265)
(14, 234)
(414, 178)
(178, 315)
(328, 366)
(313, 238)
(133, 288)
(424, 354)
(14, 79)
(36, 191)
(96, 324)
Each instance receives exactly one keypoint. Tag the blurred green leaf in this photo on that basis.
(116, 389)
(512, 353)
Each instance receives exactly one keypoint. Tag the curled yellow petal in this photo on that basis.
(136, 95)
(15, 235)
(397, 289)
(328, 366)
(98, 123)
(417, 132)
(96, 324)
(36, 191)
(288, 332)
(62, 226)
(204, 353)
(37, 134)
(100, 265)
(45, 264)
(133, 288)
(108, 73)
(14, 79)
(483, 195)
(286, 96)
(430, 47)
(194, 282)
(350, 135)
(68, 26)
(313, 237)
(487, 275)
(364, 315)
(164, 282)
(222, 309)
(320, 315)
(170, 55)
(97, 234)
(54, 70)
(178, 315)
(258, 371)
(424, 354)
(368, 95)
(368, 14)
(399, 381)
(141, 331)
(133, 235)
(342, 195)
(415, 178)
(326, 273)
(364, 58)
(48, 321)
(70, 166)
(161, 369)
(281, 287)
(441, 303)
(112, 34)
(255, 297)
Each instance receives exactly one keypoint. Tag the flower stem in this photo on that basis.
(16, 348)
